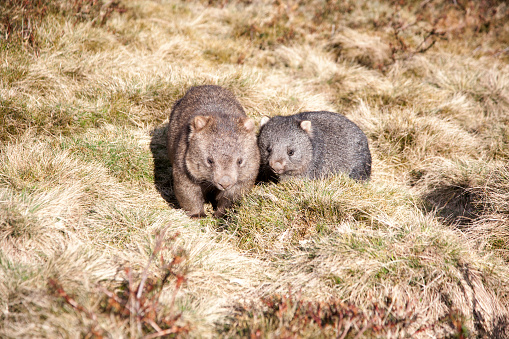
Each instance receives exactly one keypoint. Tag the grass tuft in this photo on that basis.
(288, 213)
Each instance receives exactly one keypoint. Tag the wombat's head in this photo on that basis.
(222, 152)
(285, 145)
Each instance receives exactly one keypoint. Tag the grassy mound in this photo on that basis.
(92, 242)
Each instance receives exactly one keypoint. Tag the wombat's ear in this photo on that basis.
(199, 122)
(264, 121)
(306, 126)
(248, 124)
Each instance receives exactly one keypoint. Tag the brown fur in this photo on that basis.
(213, 150)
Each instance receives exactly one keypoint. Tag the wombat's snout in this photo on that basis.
(278, 166)
(225, 182)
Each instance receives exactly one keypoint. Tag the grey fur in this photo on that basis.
(331, 143)
(212, 148)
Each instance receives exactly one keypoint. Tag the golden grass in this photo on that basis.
(85, 184)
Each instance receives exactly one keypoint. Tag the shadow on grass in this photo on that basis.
(162, 166)
(497, 327)
(454, 204)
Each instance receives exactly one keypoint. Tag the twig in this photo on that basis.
(347, 328)
(144, 276)
(172, 330)
(362, 331)
(69, 300)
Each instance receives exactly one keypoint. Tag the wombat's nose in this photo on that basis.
(278, 166)
(225, 182)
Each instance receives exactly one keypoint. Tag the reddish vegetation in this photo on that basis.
(290, 316)
(138, 301)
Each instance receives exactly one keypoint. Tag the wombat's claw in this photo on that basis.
(219, 214)
(197, 215)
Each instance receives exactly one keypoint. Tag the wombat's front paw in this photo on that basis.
(225, 202)
(197, 215)
(219, 213)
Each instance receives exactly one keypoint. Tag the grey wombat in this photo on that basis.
(212, 148)
(313, 145)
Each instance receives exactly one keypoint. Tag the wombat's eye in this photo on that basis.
(269, 149)
(290, 152)
(239, 161)
(210, 161)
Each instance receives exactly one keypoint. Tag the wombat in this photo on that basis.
(213, 150)
(313, 145)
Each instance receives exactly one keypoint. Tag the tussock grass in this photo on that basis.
(472, 195)
(365, 242)
(85, 183)
(292, 212)
(69, 218)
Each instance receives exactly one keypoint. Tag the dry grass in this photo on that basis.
(421, 250)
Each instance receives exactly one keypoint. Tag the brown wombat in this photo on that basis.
(313, 145)
(213, 150)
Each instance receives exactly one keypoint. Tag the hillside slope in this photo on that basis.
(92, 243)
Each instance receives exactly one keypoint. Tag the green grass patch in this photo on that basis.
(296, 210)
(15, 221)
(16, 118)
(120, 153)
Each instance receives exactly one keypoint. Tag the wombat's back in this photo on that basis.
(207, 100)
(344, 146)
